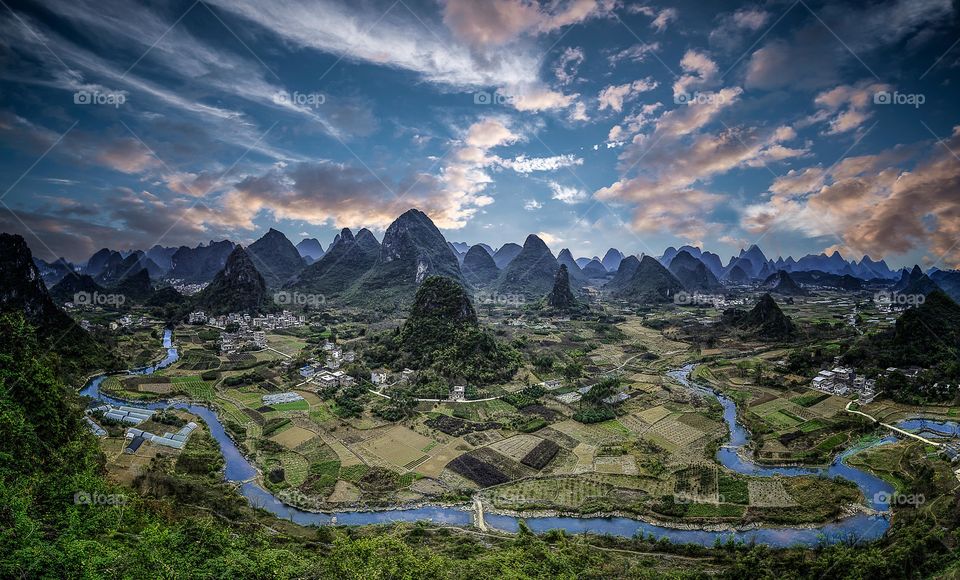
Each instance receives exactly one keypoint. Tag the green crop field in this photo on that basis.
(292, 406)
(194, 387)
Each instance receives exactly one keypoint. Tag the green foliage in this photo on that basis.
(594, 415)
(442, 335)
(604, 388)
(525, 397)
(274, 425)
(926, 336)
(543, 363)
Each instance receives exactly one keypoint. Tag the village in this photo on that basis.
(243, 332)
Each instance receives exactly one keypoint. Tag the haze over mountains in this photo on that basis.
(360, 270)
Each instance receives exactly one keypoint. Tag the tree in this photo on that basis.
(573, 370)
(606, 387)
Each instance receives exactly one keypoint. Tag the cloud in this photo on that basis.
(846, 107)
(613, 97)
(669, 158)
(489, 133)
(39, 56)
(535, 97)
(123, 154)
(636, 53)
(465, 58)
(678, 213)
(524, 164)
(812, 57)
(566, 194)
(568, 65)
(874, 205)
(661, 18)
(700, 72)
(733, 26)
(549, 238)
(579, 112)
(531, 204)
(496, 22)
(798, 182)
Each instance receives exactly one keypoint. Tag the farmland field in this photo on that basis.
(292, 437)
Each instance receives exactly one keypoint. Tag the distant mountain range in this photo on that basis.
(275, 258)
(310, 248)
(531, 273)
(362, 271)
(238, 287)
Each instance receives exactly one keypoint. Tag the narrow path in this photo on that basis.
(478, 506)
(894, 428)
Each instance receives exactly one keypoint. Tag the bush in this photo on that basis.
(594, 415)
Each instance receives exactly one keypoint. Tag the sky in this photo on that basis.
(799, 126)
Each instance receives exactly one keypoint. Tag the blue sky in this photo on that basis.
(800, 126)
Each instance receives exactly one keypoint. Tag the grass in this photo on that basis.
(616, 427)
(733, 490)
(194, 387)
(780, 420)
(295, 468)
(832, 442)
(292, 406)
(320, 413)
(710, 510)
(812, 425)
(353, 473)
(810, 399)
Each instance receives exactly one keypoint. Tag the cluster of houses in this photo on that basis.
(124, 322)
(336, 356)
(536, 326)
(843, 381)
(251, 333)
(187, 288)
(175, 440)
(325, 378)
(128, 321)
(246, 339)
(285, 319)
(382, 376)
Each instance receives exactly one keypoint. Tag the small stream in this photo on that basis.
(732, 455)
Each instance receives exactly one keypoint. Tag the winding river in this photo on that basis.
(732, 455)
